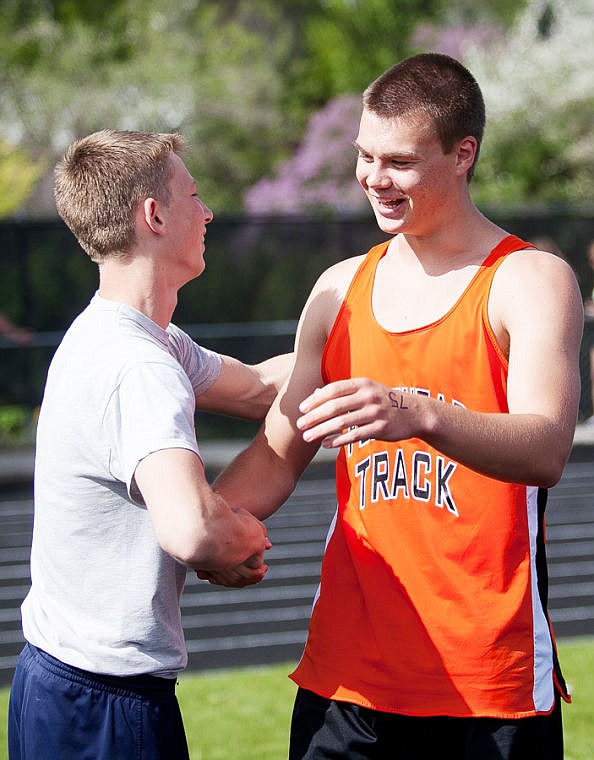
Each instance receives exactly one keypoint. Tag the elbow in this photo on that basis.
(222, 545)
(550, 469)
(190, 546)
(257, 409)
(550, 477)
(550, 458)
(202, 556)
(253, 407)
(204, 553)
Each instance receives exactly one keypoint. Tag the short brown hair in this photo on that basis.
(102, 179)
(436, 85)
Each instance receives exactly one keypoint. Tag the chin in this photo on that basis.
(198, 267)
(390, 226)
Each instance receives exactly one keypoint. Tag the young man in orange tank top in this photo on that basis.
(419, 137)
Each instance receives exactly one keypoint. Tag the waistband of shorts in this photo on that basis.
(139, 685)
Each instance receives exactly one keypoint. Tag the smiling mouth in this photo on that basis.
(390, 203)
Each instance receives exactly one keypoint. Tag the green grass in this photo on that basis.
(238, 714)
(244, 714)
(577, 660)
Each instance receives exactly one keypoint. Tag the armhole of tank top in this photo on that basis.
(511, 244)
(371, 258)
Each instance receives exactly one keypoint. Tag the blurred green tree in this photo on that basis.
(343, 45)
(243, 78)
(67, 68)
(536, 77)
(18, 176)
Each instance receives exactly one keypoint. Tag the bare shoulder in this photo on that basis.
(534, 271)
(328, 294)
(337, 278)
(533, 284)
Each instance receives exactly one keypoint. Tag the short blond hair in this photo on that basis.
(101, 180)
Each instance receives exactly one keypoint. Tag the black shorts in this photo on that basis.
(324, 728)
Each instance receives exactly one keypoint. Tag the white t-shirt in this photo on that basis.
(104, 595)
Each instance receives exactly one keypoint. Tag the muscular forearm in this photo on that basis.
(230, 538)
(529, 449)
(523, 448)
(192, 523)
(246, 391)
(258, 479)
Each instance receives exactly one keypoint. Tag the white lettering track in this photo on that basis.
(425, 478)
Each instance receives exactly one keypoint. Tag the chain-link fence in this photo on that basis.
(259, 273)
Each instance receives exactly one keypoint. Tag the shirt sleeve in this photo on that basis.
(151, 409)
(201, 365)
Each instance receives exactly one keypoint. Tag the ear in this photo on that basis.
(151, 216)
(466, 154)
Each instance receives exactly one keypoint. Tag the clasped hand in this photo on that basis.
(249, 573)
(337, 414)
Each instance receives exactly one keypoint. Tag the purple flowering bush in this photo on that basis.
(320, 176)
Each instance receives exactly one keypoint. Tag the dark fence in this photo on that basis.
(259, 273)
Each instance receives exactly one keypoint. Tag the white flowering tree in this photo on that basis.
(537, 84)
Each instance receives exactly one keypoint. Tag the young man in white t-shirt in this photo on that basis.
(122, 505)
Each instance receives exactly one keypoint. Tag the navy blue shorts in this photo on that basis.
(58, 711)
(324, 728)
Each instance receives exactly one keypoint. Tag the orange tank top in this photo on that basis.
(428, 602)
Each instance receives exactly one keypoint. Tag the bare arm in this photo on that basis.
(243, 390)
(15, 333)
(536, 312)
(262, 477)
(192, 523)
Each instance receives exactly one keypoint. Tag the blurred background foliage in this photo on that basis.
(268, 92)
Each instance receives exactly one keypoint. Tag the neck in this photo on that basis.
(134, 282)
(463, 242)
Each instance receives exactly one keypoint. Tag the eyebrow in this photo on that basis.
(407, 155)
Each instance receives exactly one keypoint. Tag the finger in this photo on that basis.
(244, 571)
(339, 411)
(236, 577)
(254, 562)
(230, 581)
(361, 433)
(220, 577)
(241, 580)
(335, 390)
(324, 430)
(253, 580)
(332, 413)
(339, 425)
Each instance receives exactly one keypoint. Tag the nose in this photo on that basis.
(208, 215)
(377, 175)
